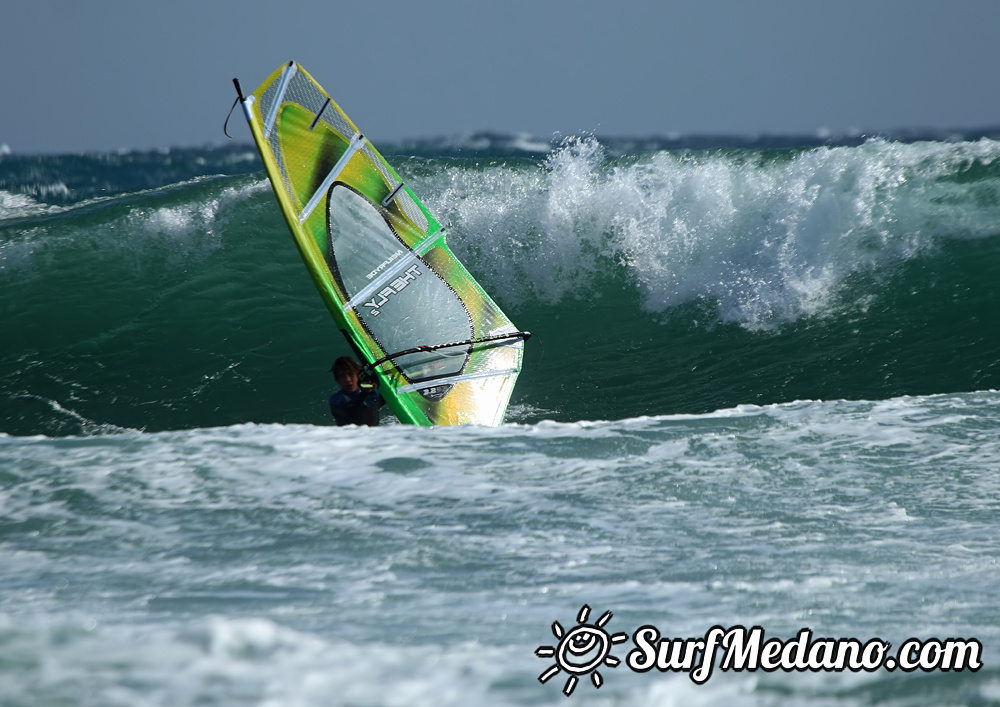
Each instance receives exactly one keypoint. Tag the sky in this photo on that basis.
(103, 75)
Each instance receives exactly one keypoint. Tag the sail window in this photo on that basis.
(399, 298)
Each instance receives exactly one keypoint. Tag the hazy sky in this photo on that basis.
(114, 74)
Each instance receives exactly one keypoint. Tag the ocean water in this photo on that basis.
(761, 392)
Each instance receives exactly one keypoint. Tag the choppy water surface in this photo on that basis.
(760, 393)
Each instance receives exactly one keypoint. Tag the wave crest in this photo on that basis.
(767, 236)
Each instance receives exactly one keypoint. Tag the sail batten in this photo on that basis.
(405, 262)
(356, 144)
(450, 380)
(400, 262)
(286, 77)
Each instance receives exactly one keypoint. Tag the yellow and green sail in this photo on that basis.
(441, 349)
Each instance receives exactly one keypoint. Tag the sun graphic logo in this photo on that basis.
(582, 650)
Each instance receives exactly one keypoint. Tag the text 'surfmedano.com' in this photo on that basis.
(587, 647)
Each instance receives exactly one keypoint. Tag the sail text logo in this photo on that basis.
(394, 287)
(395, 256)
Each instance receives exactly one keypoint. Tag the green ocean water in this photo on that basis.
(655, 283)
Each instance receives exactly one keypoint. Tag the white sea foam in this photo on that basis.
(272, 564)
(181, 229)
(20, 205)
(193, 219)
(245, 660)
(768, 238)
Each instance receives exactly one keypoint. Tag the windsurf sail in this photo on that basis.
(441, 349)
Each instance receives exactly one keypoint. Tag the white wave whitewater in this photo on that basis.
(308, 565)
(768, 237)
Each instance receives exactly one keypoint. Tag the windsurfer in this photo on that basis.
(353, 404)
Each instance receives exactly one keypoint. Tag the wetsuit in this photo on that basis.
(357, 408)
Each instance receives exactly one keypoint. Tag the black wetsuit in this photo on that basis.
(357, 408)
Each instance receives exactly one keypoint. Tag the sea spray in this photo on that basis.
(768, 237)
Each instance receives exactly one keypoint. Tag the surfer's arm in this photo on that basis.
(372, 397)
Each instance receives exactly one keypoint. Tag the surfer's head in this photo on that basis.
(346, 370)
